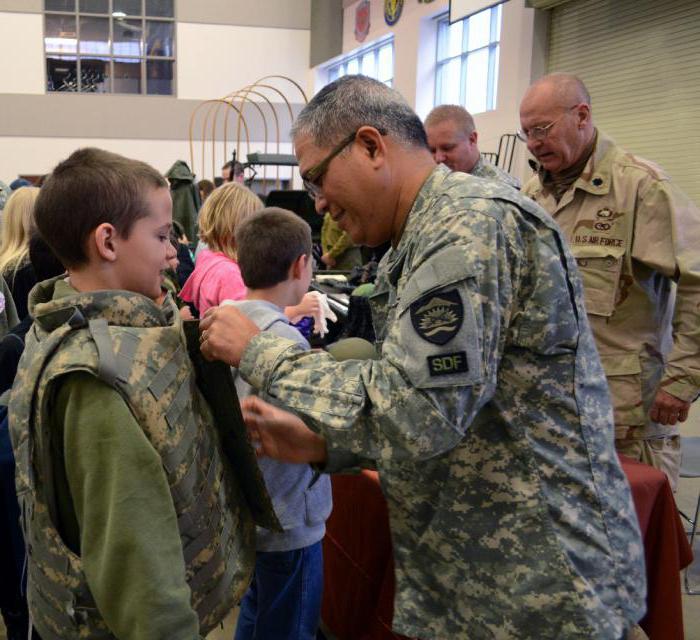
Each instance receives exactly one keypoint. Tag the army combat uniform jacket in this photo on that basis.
(492, 172)
(635, 238)
(129, 352)
(489, 421)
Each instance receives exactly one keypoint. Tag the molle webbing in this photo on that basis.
(149, 366)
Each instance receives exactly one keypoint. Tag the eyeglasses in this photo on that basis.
(540, 133)
(312, 178)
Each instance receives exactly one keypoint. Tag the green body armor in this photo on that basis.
(137, 348)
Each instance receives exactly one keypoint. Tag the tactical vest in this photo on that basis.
(137, 348)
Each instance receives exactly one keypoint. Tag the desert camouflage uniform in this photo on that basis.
(635, 238)
(492, 172)
(138, 349)
(489, 421)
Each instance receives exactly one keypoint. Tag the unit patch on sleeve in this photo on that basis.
(447, 363)
(437, 317)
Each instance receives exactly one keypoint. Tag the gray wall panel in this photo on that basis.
(326, 30)
(285, 14)
(22, 6)
(128, 117)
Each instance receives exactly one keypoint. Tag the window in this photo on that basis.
(467, 60)
(110, 46)
(376, 62)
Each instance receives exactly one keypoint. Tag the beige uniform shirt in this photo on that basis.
(636, 239)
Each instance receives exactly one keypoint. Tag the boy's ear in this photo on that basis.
(104, 241)
(296, 271)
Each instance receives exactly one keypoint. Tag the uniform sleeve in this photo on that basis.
(419, 398)
(667, 237)
(129, 538)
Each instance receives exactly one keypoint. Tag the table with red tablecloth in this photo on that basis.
(359, 570)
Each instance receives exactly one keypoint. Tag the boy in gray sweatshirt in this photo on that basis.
(284, 599)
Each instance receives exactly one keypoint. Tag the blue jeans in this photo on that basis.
(283, 601)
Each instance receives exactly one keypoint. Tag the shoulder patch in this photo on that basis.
(437, 317)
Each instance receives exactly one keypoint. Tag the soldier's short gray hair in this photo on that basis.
(355, 101)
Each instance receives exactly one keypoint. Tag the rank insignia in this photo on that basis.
(392, 11)
(437, 317)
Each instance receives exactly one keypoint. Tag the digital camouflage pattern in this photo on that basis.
(137, 347)
(510, 515)
(635, 238)
(492, 172)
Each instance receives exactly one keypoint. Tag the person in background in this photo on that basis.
(284, 599)
(233, 167)
(216, 276)
(452, 138)
(635, 237)
(205, 188)
(17, 225)
(339, 252)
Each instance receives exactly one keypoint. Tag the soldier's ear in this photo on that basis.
(372, 143)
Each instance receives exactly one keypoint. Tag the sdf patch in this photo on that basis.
(438, 317)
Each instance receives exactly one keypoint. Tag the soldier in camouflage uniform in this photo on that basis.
(487, 414)
(134, 526)
(452, 138)
(635, 237)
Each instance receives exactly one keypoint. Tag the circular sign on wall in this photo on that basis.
(362, 21)
(392, 11)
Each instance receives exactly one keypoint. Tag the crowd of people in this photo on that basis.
(523, 335)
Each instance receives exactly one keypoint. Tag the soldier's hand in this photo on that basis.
(281, 435)
(224, 333)
(667, 409)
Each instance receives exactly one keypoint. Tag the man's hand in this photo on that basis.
(224, 333)
(668, 409)
(328, 260)
(281, 435)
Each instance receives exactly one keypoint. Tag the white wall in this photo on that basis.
(414, 55)
(215, 60)
(22, 52)
(41, 155)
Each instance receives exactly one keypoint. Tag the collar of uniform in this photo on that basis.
(597, 174)
(54, 302)
(423, 201)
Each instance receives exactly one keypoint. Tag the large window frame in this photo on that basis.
(466, 51)
(372, 61)
(134, 53)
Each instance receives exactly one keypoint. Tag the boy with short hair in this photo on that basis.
(135, 528)
(284, 599)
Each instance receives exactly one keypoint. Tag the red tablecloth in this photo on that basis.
(359, 570)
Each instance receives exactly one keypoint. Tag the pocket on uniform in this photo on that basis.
(624, 374)
(600, 269)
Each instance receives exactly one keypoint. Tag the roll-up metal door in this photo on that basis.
(640, 60)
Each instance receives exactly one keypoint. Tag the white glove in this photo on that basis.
(323, 313)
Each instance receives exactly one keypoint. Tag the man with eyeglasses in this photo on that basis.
(635, 238)
(452, 138)
(486, 413)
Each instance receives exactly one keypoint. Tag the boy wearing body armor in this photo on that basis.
(135, 527)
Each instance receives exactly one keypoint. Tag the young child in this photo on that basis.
(284, 599)
(216, 276)
(134, 526)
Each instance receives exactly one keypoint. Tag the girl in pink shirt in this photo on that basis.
(216, 276)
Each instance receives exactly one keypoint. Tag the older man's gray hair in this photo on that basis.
(352, 102)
